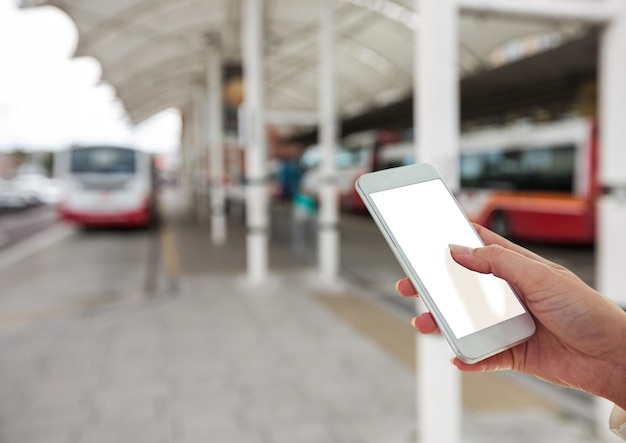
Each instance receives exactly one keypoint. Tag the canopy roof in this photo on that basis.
(153, 52)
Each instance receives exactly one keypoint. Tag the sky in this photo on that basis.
(49, 100)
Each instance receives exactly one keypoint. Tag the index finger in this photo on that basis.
(491, 238)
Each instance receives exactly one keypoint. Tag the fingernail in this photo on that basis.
(413, 320)
(460, 250)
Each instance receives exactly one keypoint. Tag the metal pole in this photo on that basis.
(257, 198)
(328, 257)
(216, 143)
(436, 115)
(611, 242)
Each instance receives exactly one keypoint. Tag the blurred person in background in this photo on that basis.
(580, 340)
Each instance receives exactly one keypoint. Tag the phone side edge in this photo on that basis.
(446, 331)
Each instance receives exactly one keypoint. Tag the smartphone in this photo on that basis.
(478, 314)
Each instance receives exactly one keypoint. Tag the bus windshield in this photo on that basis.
(103, 160)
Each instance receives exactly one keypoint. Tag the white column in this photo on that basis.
(199, 163)
(193, 151)
(185, 174)
(257, 198)
(328, 237)
(436, 116)
(611, 241)
(216, 143)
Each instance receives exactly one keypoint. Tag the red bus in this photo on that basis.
(528, 181)
(533, 181)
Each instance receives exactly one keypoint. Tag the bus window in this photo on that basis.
(548, 169)
(541, 169)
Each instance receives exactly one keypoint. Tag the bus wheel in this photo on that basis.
(500, 224)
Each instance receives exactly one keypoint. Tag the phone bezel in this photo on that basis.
(475, 346)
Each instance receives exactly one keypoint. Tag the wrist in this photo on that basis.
(620, 400)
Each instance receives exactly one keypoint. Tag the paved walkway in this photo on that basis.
(211, 358)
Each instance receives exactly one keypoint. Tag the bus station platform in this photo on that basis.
(206, 356)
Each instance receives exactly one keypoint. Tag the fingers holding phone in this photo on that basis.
(479, 315)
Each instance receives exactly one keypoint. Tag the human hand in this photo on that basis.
(580, 341)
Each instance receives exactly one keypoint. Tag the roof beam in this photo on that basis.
(597, 12)
(172, 99)
(291, 117)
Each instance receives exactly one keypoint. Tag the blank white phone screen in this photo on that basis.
(424, 219)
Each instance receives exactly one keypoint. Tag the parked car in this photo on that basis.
(38, 188)
(11, 199)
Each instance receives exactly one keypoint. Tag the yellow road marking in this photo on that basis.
(171, 260)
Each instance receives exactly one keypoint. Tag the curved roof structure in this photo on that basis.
(153, 52)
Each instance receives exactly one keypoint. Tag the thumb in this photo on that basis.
(520, 271)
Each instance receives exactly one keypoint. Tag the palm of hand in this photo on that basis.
(574, 345)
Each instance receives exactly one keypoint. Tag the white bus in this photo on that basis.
(106, 186)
